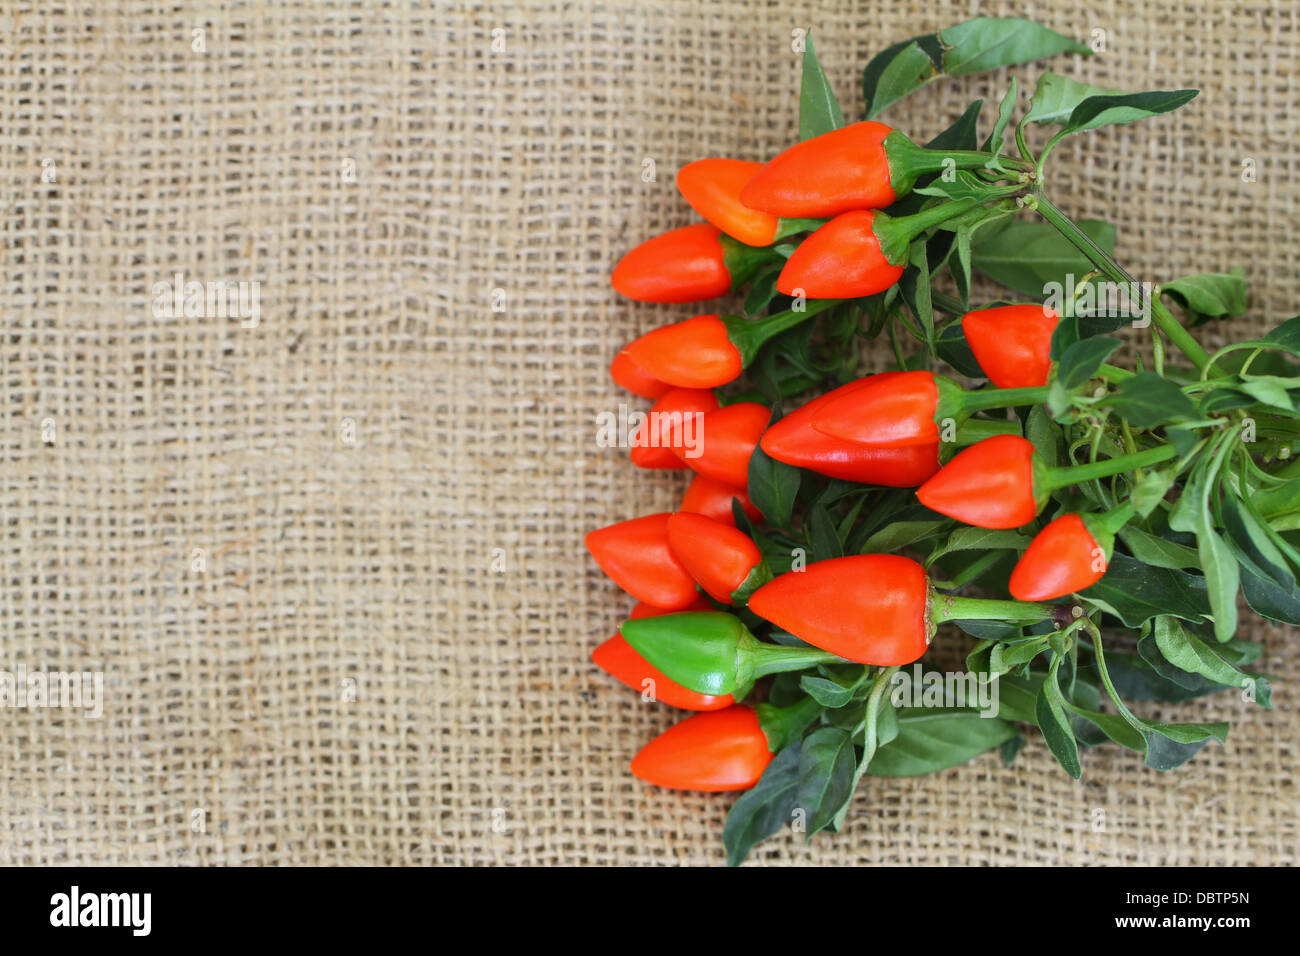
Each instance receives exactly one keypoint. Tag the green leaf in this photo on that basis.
(1135, 592)
(898, 535)
(1030, 255)
(898, 71)
(826, 768)
(1221, 577)
(1049, 714)
(1211, 294)
(1185, 650)
(1137, 679)
(1151, 489)
(766, 808)
(819, 111)
(1156, 551)
(825, 692)
(763, 290)
(990, 43)
(1044, 434)
(1056, 96)
(994, 143)
(1117, 109)
(931, 739)
(983, 539)
(773, 486)
(1018, 696)
(823, 539)
(1082, 360)
(984, 43)
(1148, 400)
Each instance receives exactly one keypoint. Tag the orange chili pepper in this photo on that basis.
(841, 260)
(1012, 343)
(669, 426)
(626, 373)
(636, 556)
(1063, 558)
(721, 558)
(713, 186)
(715, 751)
(713, 499)
(684, 265)
(727, 441)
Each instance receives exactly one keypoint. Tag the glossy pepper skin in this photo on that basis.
(826, 175)
(794, 441)
(841, 260)
(627, 374)
(719, 557)
(673, 423)
(713, 500)
(684, 265)
(711, 752)
(868, 608)
(621, 661)
(636, 556)
(728, 438)
(988, 485)
(1012, 343)
(1063, 558)
(894, 410)
(713, 187)
(696, 353)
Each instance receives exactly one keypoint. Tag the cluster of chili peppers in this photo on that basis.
(706, 578)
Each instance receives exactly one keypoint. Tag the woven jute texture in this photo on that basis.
(330, 561)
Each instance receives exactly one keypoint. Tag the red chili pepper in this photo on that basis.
(626, 373)
(841, 260)
(621, 661)
(873, 608)
(894, 410)
(988, 485)
(684, 265)
(713, 499)
(794, 441)
(869, 608)
(1012, 343)
(635, 554)
(696, 353)
(863, 166)
(826, 175)
(710, 350)
(712, 187)
(1001, 482)
(1063, 558)
(722, 559)
(727, 441)
(669, 427)
(712, 752)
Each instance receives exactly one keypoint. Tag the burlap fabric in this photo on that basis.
(331, 565)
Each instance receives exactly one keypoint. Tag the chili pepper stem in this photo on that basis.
(1161, 316)
(783, 724)
(748, 336)
(978, 429)
(1054, 478)
(956, 607)
(895, 234)
(987, 398)
(776, 659)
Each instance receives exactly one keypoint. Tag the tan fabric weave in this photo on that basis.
(349, 467)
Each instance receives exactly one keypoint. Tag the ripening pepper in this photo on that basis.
(712, 652)
(617, 658)
(712, 498)
(721, 558)
(715, 751)
(873, 608)
(635, 554)
(625, 372)
(712, 187)
(900, 409)
(858, 253)
(709, 350)
(865, 165)
(794, 441)
(726, 442)
(1012, 343)
(1068, 555)
(1001, 482)
(673, 423)
(687, 265)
